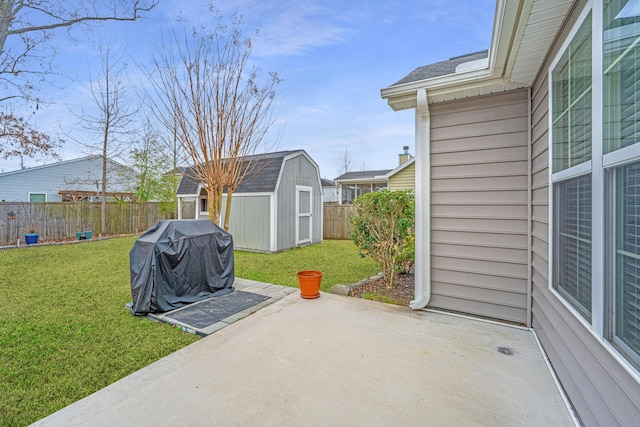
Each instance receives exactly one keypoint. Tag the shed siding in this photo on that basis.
(479, 206)
(602, 392)
(84, 174)
(253, 234)
(405, 179)
(297, 171)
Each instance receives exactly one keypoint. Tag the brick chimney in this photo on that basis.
(403, 157)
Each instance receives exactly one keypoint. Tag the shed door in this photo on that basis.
(303, 210)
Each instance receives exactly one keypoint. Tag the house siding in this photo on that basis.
(82, 174)
(479, 182)
(251, 235)
(601, 390)
(405, 179)
(297, 171)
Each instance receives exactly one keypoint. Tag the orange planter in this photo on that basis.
(309, 281)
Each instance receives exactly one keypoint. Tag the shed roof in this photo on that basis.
(441, 68)
(363, 175)
(267, 167)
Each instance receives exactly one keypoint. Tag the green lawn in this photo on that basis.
(337, 259)
(64, 331)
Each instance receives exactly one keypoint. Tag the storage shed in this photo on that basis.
(276, 208)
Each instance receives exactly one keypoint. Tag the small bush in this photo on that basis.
(381, 226)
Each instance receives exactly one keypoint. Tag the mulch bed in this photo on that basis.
(401, 294)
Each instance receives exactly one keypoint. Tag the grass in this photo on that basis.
(64, 331)
(374, 296)
(337, 259)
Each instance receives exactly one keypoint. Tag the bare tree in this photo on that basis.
(344, 165)
(19, 139)
(113, 122)
(27, 30)
(218, 103)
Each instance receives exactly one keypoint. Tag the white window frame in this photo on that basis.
(573, 172)
(599, 166)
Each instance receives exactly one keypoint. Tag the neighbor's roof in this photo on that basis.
(362, 175)
(441, 68)
(63, 162)
(264, 180)
(327, 182)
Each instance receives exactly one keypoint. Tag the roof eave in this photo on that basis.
(401, 167)
(510, 18)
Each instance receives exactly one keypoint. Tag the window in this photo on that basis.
(621, 134)
(37, 197)
(595, 173)
(572, 140)
(625, 325)
(572, 102)
(204, 204)
(572, 273)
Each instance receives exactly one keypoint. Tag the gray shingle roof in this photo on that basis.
(442, 68)
(362, 175)
(267, 168)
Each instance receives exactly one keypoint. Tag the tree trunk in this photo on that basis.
(214, 203)
(6, 17)
(103, 191)
(227, 211)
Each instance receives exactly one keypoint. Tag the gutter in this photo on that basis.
(423, 203)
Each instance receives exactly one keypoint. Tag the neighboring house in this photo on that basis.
(353, 184)
(329, 191)
(78, 176)
(527, 190)
(403, 177)
(277, 208)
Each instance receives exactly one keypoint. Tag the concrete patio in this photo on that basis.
(337, 361)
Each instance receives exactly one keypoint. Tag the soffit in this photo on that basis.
(543, 22)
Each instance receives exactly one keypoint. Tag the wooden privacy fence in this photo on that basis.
(335, 221)
(61, 221)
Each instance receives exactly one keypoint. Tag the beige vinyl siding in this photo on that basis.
(479, 181)
(405, 179)
(602, 392)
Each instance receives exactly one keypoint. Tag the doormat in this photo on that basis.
(203, 314)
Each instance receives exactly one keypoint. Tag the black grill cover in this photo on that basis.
(177, 262)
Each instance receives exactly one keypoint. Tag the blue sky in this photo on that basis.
(334, 56)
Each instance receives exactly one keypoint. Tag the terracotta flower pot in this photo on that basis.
(309, 281)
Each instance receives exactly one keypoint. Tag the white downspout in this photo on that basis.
(179, 207)
(423, 203)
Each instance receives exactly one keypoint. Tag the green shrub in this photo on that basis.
(381, 226)
(407, 256)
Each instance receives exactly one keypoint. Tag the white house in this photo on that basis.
(45, 183)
